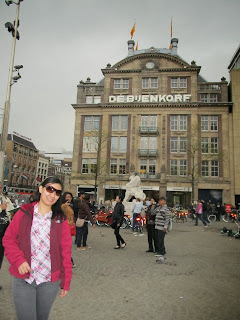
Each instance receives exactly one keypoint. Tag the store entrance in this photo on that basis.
(176, 198)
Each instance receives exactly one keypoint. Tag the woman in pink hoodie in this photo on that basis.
(38, 247)
(199, 212)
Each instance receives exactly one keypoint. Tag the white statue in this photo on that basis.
(133, 189)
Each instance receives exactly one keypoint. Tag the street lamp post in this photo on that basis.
(5, 121)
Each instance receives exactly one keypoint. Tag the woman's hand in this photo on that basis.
(4, 206)
(63, 293)
(24, 268)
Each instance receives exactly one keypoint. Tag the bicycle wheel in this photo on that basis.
(225, 218)
(212, 218)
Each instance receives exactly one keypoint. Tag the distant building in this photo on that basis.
(42, 169)
(21, 163)
(234, 70)
(153, 114)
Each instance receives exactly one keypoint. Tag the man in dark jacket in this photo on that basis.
(117, 219)
(150, 221)
(83, 213)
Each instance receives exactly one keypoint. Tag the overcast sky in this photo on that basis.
(63, 42)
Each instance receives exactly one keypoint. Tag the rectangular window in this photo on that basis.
(178, 123)
(122, 166)
(204, 145)
(183, 123)
(125, 83)
(204, 123)
(154, 82)
(178, 82)
(205, 168)
(123, 144)
(214, 123)
(148, 143)
(118, 166)
(183, 83)
(91, 123)
(173, 167)
(174, 144)
(97, 99)
(174, 82)
(119, 122)
(213, 97)
(152, 168)
(153, 122)
(89, 99)
(149, 83)
(214, 145)
(84, 165)
(90, 144)
(145, 83)
(143, 168)
(113, 165)
(209, 123)
(204, 97)
(174, 123)
(121, 83)
(183, 145)
(119, 144)
(114, 144)
(93, 165)
(183, 168)
(117, 84)
(214, 168)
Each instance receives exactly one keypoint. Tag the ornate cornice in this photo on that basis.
(154, 105)
(150, 55)
(110, 71)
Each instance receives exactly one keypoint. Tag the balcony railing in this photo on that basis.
(150, 175)
(147, 152)
(148, 130)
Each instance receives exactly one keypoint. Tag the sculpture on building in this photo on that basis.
(133, 189)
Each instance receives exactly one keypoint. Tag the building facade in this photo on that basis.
(234, 70)
(20, 164)
(153, 115)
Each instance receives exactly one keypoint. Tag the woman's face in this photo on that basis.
(68, 197)
(50, 193)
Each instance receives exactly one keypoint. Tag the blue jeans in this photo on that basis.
(134, 221)
(199, 216)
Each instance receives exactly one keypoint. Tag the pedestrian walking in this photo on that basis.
(67, 208)
(205, 211)
(5, 207)
(38, 247)
(137, 209)
(84, 213)
(150, 223)
(161, 225)
(199, 212)
(117, 219)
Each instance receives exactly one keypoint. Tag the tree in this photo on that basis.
(96, 141)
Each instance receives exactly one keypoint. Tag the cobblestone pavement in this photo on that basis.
(200, 279)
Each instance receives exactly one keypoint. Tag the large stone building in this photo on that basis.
(154, 115)
(234, 69)
(21, 164)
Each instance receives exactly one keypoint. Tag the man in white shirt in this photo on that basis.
(137, 209)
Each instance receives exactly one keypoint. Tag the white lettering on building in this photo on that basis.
(150, 98)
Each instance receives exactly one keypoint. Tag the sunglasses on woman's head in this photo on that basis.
(50, 189)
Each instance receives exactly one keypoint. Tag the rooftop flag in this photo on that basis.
(171, 28)
(133, 30)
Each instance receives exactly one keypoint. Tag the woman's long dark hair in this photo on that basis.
(56, 207)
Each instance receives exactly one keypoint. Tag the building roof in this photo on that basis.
(234, 58)
(22, 141)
